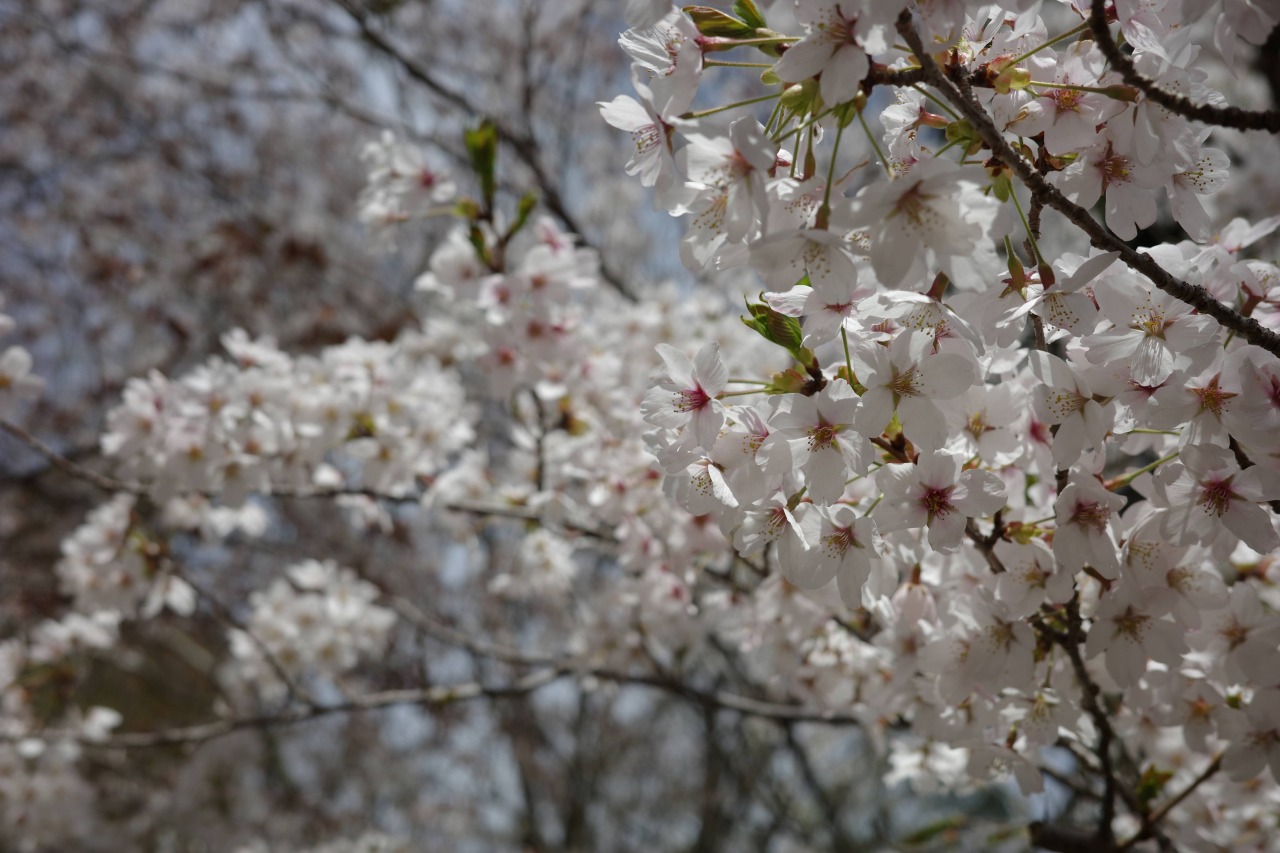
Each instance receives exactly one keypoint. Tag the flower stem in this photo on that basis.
(848, 362)
(1035, 247)
(1068, 34)
(945, 106)
(824, 212)
(776, 115)
(946, 147)
(875, 145)
(799, 128)
(734, 106)
(1125, 479)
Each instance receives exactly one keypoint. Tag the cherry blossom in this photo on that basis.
(688, 393)
(1129, 626)
(838, 37)
(1001, 503)
(907, 378)
(822, 443)
(843, 547)
(1212, 493)
(934, 493)
(919, 210)
(1084, 531)
(1066, 400)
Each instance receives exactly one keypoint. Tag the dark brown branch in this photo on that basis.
(460, 639)
(1268, 120)
(987, 544)
(447, 695)
(431, 697)
(840, 840)
(960, 93)
(1064, 839)
(62, 463)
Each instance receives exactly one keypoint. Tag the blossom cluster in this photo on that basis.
(1021, 465)
(318, 620)
(378, 414)
(1002, 496)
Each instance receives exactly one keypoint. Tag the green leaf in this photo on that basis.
(482, 149)
(789, 381)
(1121, 92)
(1151, 784)
(845, 113)
(802, 98)
(785, 331)
(716, 24)
(747, 11)
(962, 133)
(467, 208)
(779, 329)
(1011, 80)
(1002, 186)
(524, 207)
(476, 236)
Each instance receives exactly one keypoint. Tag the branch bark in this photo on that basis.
(956, 88)
(1268, 120)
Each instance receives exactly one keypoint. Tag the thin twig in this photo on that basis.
(1150, 823)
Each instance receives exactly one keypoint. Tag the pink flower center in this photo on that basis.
(646, 138)
(1216, 495)
(904, 384)
(1115, 169)
(838, 28)
(1213, 398)
(840, 540)
(1151, 322)
(1039, 432)
(1066, 100)
(937, 502)
(823, 435)
(692, 399)
(1234, 633)
(1092, 515)
(1131, 623)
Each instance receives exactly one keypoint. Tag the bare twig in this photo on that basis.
(460, 639)
(62, 463)
(1150, 822)
(452, 694)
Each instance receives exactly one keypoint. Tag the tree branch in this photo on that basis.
(956, 88)
(1268, 120)
(1150, 823)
